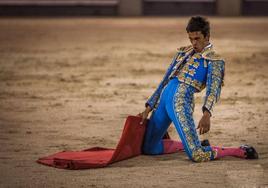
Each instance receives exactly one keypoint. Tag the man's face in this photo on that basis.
(199, 42)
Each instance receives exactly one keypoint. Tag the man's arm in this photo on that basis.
(151, 102)
(214, 83)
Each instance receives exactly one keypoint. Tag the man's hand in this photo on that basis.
(145, 114)
(204, 123)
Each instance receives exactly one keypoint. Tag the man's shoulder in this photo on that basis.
(211, 55)
(185, 48)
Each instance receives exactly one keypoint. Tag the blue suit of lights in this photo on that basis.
(173, 100)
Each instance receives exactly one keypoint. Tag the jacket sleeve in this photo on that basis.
(152, 101)
(214, 84)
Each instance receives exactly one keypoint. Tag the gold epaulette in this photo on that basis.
(210, 54)
(185, 48)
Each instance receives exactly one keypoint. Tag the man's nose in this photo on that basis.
(194, 42)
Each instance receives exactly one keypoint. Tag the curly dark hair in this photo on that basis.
(198, 23)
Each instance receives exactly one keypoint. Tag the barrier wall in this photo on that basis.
(133, 7)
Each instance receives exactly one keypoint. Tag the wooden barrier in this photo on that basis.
(179, 7)
(133, 7)
(58, 7)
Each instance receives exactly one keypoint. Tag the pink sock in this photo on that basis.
(235, 152)
(171, 146)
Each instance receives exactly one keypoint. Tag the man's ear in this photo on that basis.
(207, 37)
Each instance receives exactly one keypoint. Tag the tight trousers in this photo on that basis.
(176, 104)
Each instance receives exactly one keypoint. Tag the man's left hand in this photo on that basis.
(204, 123)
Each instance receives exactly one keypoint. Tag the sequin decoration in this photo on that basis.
(183, 107)
(214, 83)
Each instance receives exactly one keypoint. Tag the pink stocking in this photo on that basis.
(171, 146)
(235, 152)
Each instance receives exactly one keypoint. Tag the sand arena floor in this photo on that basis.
(69, 84)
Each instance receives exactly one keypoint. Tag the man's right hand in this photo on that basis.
(145, 114)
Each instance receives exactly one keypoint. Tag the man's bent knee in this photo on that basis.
(200, 156)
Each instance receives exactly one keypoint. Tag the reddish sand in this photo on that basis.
(68, 84)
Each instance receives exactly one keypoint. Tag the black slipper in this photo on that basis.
(250, 152)
(205, 143)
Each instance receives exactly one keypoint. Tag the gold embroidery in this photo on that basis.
(185, 69)
(188, 80)
(185, 48)
(192, 72)
(196, 64)
(210, 54)
(205, 63)
(198, 155)
(179, 58)
(197, 56)
(216, 74)
(195, 83)
(190, 62)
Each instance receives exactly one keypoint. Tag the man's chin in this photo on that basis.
(197, 50)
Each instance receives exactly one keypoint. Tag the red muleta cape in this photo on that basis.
(130, 145)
